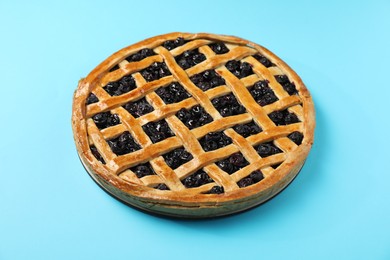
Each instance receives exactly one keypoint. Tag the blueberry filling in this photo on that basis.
(233, 163)
(253, 178)
(267, 149)
(91, 99)
(138, 108)
(214, 140)
(276, 165)
(216, 190)
(114, 68)
(172, 44)
(262, 93)
(283, 117)
(177, 157)
(97, 155)
(158, 131)
(155, 71)
(142, 170)
(121, 86)
(123, 144)
(219, 48)
(194, 117)
(228, 105)
(197, 179)
(239, 69)
(207, 80)
(106, 119)
(190, 58)
(140, 55)
(248, 129)
(161, 186)
(172, 93)
(286, 84)
(263, 60)
(296, 137)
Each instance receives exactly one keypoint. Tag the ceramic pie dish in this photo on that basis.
(193, 125)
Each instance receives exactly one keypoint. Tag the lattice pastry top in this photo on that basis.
(193, 125)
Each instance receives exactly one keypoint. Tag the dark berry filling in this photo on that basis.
(162, 186)
(91, 99)
(123, 144)
(239, 69)
(216, 190)
(228, 105)
(190, 58)
(194, 117)
(97, 155)
(214, 140)
(207, 80)
(172, 93)
(155, 71)
(253, 178)
(283, 117)
(219, 48)
(276, 165)
(233, 163)
(177, 157)
(140, 55)
(106, 119)
(138, 108)
(121, 86)
(247, 129)
(158, 131)
(296, 137)
(114, 68)
(142, 170)
(263, 60)
(262, 93)
(267, 149)
(172, 44)
(286, 84)
(197, 179)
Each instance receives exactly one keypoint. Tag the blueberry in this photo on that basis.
(296, 137)
(256, 176)
(207, 80)
(173, 93)
(215, 190)
(114, 68)
(138, 108)
(267, 149)
(286, 84)
(190, 58)
(238, 159)
(143, 170)
(97, 155)
(155, 71)
(219, 48)
(263, 60)
(214, 140)
(105, 119)
(91, 99)
(158, 131)
(123, 144)
(123, 85)
(245, 182)
(228, 105)
(162, 186)
(177, 157)
(283, 117)
(226, 166)
(197, 179)
(195, 117)
(140, 55)
(169, 45)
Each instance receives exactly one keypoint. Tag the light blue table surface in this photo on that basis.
(337, 208)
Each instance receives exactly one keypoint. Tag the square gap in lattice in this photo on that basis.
(139, 107)
(232, 163)
(123, 144)
(177, 157)
(267, 149)
(247, 129)
(194, 117)
(158, 130)
(228, 105)
(207, 80)
(214, 140)
(121, 86)
(262, 93)
(172, 93)
(190, 58)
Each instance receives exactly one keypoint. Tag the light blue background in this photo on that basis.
(337, 208)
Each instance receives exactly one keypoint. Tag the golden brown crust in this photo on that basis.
(180, 201)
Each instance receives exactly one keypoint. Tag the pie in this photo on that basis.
(193, 125)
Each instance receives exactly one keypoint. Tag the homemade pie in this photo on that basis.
(193, 125)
